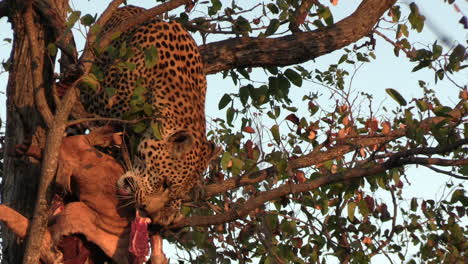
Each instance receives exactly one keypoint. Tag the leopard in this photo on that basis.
(168, 165)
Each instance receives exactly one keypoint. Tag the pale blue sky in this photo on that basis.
(385, 72)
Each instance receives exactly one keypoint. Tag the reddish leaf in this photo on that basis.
(293, 118)
(370, 203)
(249, 130)
(300, 176)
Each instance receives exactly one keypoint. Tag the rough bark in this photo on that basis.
(23, 122)
(296, 48)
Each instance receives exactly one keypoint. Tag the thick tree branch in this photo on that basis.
(37, 68)
(56, 127)
(240, 210)
(296, 48)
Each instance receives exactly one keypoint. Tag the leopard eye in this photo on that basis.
(180, 142)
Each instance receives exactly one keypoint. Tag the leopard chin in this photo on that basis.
(129, 186)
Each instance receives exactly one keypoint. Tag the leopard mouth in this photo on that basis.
(127, 185)
(152, 203)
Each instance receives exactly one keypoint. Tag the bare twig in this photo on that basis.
(408, 53)
(446, 172)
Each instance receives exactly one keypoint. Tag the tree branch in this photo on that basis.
(56, 127)
(240, 210)
(317, 156)
(446, 172)
(293, 49)
(37, 68)
(350, 144)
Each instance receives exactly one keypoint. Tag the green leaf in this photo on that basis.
(422, 105)
(361, 57)
(95, 29)
(288, 227)
(464, 168)
(225, 100)
(343, 58)
(442, 111)
(436, 51)
(139, 127)
(402, 30)
(242, 25)
(396, 96)
(244, 93)
(229, 115)
(395, 176)
(151, 56)
(422, 64)
(157, 130)
(415, 18)
(272, 70)
(225, 160)
(91, 81)
(351, 210)
(87, 20)
(294, 77)
(396, 13)
(326, 15)
(272, 27)
(215, 7)
(362, 205)
(74, 16)
(244, 73)
(275, 132)
(237, 166)
(148, 109)
(123, 50)
(52, 49)
(414, 204)
(273, 8)
(130, 66)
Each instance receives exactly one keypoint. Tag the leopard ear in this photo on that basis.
(180, 142)
(213, 150)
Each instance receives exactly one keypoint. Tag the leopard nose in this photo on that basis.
(126, 184)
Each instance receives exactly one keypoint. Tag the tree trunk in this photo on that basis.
(23, 125)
